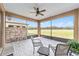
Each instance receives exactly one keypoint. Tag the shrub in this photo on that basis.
(74, 46)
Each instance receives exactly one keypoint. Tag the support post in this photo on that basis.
(39, 29)
(2, 26)
(76, 32)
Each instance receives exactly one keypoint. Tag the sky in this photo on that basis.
(33, 24)
(60, 22)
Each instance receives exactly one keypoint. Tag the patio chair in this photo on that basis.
(36, 43)
(61, 50)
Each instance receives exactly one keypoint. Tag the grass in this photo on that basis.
(63, 33)
(32, 32)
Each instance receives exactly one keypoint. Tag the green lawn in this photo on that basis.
(63, 33)
(59, 33)
(32, 32)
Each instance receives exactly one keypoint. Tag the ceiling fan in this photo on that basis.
(38, 12)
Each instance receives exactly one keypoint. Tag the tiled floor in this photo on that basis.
(25, 47)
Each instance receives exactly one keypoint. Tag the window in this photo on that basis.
(10, 26)
(46, 28)
(23, 26)
(18, 26)
(60, 27)
(32, 28)
(63, 27)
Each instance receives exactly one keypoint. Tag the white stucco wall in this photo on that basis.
(15, 22)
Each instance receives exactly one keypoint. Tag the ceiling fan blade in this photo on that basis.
(35, 8)
(41, 14)
(43, 10)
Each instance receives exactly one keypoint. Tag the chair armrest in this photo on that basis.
(53, 48)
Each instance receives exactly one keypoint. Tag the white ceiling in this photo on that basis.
(51, 8)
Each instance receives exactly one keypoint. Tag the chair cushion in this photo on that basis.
(43, 51)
